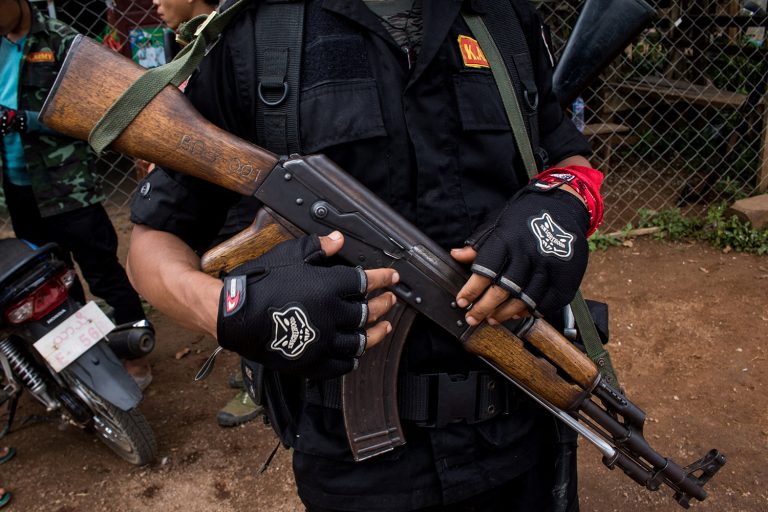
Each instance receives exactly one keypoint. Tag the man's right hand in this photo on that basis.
(291, 311)
(12, 121)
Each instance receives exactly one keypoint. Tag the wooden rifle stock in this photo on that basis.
(536, 357)
(168, 132)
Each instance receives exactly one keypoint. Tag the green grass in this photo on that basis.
(717, 229)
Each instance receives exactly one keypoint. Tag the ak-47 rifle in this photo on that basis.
(312, 195)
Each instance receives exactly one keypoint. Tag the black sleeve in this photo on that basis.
(188, 207)
(557, 134)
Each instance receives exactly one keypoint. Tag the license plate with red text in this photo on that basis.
(72, 337)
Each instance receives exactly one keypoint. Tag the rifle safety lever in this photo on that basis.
(355, 225)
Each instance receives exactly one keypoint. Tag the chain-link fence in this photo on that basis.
(132, 28)
(679, 119)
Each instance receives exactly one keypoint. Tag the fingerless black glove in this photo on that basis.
(536, 248)
(292, 314)
(12, 121)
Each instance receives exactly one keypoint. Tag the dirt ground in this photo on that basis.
(688, 337)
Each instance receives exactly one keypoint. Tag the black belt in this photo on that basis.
(435, 399)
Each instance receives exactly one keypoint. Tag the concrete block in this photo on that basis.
(753, 210)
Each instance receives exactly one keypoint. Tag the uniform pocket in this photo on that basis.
(337, 112)
(480, 106)
(37, 80)
(486, 149)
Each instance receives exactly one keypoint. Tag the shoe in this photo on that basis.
(7, 454)
(143, 381)
(235, 381)
(5, 498)
(140, 370)
(239, 410)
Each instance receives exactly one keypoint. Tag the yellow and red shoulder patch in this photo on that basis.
(44, 56)
(471, 53)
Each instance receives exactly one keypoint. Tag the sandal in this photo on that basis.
(9, 452)
(5, 498)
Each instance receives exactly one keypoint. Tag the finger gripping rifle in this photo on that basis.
(313, 195)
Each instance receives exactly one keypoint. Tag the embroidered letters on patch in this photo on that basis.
(552, 239)
(44, 56)
(471, 53)
(291, 331)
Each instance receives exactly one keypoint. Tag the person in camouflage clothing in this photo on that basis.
(51, 190)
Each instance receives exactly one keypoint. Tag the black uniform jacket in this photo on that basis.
(435, 143)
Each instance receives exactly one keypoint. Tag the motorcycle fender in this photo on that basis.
(100, 370)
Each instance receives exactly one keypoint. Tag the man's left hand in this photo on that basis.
(531, 259)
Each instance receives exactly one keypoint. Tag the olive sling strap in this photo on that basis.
(123, 111)
(584, 322)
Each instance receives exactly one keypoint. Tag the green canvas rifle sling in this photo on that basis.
(123, 111)
(500, 70)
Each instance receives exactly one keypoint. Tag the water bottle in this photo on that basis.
(578, 113)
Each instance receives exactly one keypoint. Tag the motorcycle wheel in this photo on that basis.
(127, 433)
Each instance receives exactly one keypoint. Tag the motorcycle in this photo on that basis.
(66, 355)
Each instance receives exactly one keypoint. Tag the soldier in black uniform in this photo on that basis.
(399, 95)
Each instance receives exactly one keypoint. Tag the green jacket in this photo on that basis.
(61, 169)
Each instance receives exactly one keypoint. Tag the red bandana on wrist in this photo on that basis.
(584, 180)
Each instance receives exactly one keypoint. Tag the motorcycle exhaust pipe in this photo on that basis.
(132, 340)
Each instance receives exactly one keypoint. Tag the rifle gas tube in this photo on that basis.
(313, 195)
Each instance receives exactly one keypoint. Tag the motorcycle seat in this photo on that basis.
(16, 254)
